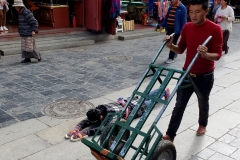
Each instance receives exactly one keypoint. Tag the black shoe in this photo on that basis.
(26, 60)
(226, 52)
(2, 53)
(39, 59)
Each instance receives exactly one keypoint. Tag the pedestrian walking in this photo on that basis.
(3, 10)
(225, 17)
(193, 35)
(215, 8)
(91, 123)
(174, 21)
(27, 29)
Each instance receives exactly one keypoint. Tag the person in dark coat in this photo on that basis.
(90, 125)
(28, 27)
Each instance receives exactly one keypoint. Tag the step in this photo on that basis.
(139, 35)
(43, 41)
(46, 47)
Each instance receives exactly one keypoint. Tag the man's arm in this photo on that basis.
(217, 42)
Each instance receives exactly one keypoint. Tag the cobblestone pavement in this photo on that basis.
(79, 73)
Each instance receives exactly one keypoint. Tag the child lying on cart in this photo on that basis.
(89, 125)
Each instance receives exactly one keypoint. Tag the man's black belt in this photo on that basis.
(201, 74)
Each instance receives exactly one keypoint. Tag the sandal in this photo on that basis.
(77, 136)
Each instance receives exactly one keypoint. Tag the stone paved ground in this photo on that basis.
(79, 73)
(83, 73)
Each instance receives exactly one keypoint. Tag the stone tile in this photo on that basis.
(4, 117)
(8, 105)
(216, 103)
(233, 65)
(227, 138)
(8, 123)
(226, 81)
(195, 158)
(25, 116)
(236, 143)
(222, 148)
(222, 71)
(68, 148)
(220, 123)
(219, 156)
(216, 89)
(234, 106)
(19, 130)
(206, 153)
(187, 144)
(231, 92)
(236, 155)
(235, 132)
(16, 111)
(47, 93)
(56, 134)
(22, 147)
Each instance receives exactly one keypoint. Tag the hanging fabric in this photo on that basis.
(115, 9)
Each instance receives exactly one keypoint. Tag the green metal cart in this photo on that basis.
(119, 136)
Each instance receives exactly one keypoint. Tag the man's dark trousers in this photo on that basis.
(204, 84)
(172, 54)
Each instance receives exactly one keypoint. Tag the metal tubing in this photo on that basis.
(180, 81)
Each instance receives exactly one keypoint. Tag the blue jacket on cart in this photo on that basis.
(180, 18)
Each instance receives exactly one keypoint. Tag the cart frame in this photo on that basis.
(143, 151)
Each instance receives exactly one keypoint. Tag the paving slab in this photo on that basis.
(56, 134)
(222, 148)
(188, 144)
(216, 103)
(218, 156)
(206, 153)
(220, 123)
(19, 130)
(22, 147)
(65, 150)
(236, 155)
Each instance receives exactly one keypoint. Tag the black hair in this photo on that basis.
(227, 1)
(94, 115)
(204, 3)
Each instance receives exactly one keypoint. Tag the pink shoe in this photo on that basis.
(70, 133)
(166, 96)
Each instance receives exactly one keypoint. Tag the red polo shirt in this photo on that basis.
(192, 36)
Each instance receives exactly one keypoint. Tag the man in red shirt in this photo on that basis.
(193, 35)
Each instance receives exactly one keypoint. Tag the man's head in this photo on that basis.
(94, 115)
(198, 10)
(175, 2)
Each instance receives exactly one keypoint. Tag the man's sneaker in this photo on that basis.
(5, 28)
(1, 28)
(166, 96)
(169, 60)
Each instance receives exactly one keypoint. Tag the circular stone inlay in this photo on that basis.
(67, 109)
(117, 58)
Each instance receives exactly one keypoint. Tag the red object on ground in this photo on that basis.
(74, 22)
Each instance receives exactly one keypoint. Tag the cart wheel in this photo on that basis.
(113, 136)
(164, 151)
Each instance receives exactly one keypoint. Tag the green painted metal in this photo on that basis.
(144, 150)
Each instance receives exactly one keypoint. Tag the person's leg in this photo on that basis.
(204, 85)
(183, 96)
(153, 93)
(226, 34)
(1, 19)
(4, 17)
(172, 54)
